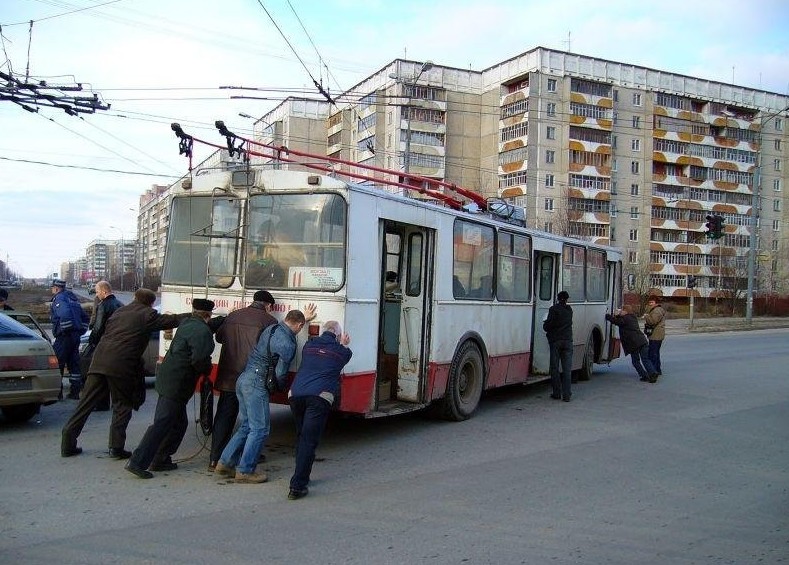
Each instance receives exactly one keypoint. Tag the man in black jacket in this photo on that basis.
(189, 357)
(559, 329)
(105, 306)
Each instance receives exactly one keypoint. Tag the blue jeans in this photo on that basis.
(561, 351)
(640, 360)
(243, 449)
(310, 414)
(654, 353)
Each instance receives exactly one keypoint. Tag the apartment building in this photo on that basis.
(601, 150)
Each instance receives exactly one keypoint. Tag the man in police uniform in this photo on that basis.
(189, 357)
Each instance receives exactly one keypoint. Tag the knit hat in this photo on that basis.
(59, 282)
(563, 296)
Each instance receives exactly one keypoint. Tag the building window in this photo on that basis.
(549, 204)
(636, 99)
(613, 165)
(633, 235)
(549, 179)
(777, 144)
(634, 189)
(776, 225)
(551, 109)
(634, 212)
(551, 85)
(613, 233)
(613, 142)
(550, 132)
(616, 95)
(635, 167)
(777, 185)
(635, 145)
(774, 245)
(550, 156)
(614, 212)
(632, 257)
(547, 227)
(776, 205)
(636, 122)
(779, 124)
(616, 116)
(777, 164)
(613, 187)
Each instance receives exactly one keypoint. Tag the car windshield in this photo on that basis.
(11, 329)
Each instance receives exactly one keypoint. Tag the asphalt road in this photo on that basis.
(694, 469)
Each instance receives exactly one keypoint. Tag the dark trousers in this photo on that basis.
(224, 422)
(97, 387)
(310, 414)
(561, 352)
(654, 354)
(640, 360)
(66, 348)
(162, 438)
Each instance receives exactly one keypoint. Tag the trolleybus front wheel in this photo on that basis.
(466, 379)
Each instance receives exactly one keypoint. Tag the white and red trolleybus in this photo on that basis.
(441, 304)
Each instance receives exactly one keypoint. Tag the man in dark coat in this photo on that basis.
(312, 394)
(634, 342)
(238, 334)
(558, 327)
(3, 298)
(117, 366)
(106, 305)
(188, 358)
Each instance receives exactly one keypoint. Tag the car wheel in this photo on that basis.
(20, 412)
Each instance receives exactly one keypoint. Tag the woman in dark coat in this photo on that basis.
(634, 342)
(117, 366)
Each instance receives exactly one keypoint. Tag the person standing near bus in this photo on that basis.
(655, 330)
(69, 322)
(188, 357)
(634, 342)
(312, 394)
(3, 298)
(106, 304)
(558, 327)
(238, 335)
(277, 344)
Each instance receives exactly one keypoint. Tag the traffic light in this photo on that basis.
(718, 227)
(714, 226)
(691, 281)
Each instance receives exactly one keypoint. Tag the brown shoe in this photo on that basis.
(224, 470)
(251, 478)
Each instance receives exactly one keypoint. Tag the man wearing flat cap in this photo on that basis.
(189, 357)
(238, 334)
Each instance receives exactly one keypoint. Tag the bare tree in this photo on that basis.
(638, 281)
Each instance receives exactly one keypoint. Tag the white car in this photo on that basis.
(29, 372)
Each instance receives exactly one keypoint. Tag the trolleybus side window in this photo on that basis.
(596, 276)
(295, 241)
(573, 259)
(473, 260)
(514, 268)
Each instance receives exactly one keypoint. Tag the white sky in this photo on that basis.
(188, 48)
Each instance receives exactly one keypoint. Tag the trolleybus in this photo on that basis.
(441, 303)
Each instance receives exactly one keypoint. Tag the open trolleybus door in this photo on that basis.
(545, 285)
(403, 342)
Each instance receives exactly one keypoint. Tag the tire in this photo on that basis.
(585, 372)
(466, 380)
(20, 412)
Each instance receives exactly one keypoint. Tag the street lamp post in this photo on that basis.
(755, 195)
(426, 66)
(122, 265)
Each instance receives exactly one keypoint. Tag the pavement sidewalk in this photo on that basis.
(677, 326)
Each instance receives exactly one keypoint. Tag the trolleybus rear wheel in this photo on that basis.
(466, 379)
(585, 372)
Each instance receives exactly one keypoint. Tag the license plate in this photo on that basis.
(15, 384)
